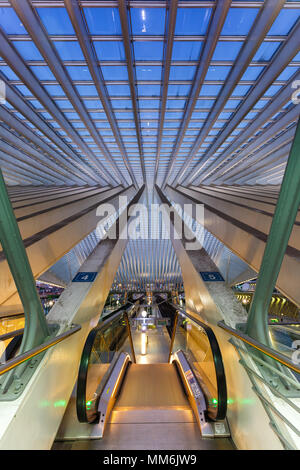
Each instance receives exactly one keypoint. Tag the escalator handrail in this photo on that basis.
(218, 361)
(85, 358)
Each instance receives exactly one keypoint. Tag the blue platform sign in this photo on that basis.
(85, 277)
(211, 276)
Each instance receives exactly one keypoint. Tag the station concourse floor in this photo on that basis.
(142, 418)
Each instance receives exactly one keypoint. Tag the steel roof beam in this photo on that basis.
(270, 168)
(17, 64)
(261, 26)
(280, 100)
(214, 32)
(39, 36)
(129, 53)
(80, 168)
(88, 50)
(166, 64)
(274, 149)
(20, 168)
(38, 159)
(277, 65)
(22, 129)
(249, 153)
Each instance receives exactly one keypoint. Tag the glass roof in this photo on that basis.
(175, 92)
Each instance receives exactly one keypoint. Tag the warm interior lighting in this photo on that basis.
(143, 344)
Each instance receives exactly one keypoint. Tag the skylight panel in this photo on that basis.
(113, 72)
(210, 90)
(239, 21)
(217, 72)
(42, 72)
(287, 73)
(252, 73)
(78, 72)
(284, 22)
(148, 21)
(68, 50)
(186, 50)
(192, 21)
(8, 72)
(87, 90)
(227, 50)
(148, 72)
(182, 72)
(118, 90)
(266, 51)
(148, 50)
(10, 22)
(109, 50)
(148, 90)
(56, 20)
(179, 90)
(102, 21)
(27, 50)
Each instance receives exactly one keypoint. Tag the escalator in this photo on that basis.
(179, 404)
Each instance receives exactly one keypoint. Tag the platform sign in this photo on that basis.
(209, 276)
(85, 277)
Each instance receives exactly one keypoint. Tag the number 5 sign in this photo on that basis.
(208, 276)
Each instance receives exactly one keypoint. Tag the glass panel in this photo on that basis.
(252, 73)
(68, 50)
(109, 50)
(192, 339)
(239, 21)
(10, 22)
(287, 73)
(113, 72)
(8, 72)
(210, 90)
(241, 90)
(28, 50)
(179, 90)
(107, 343)
(266, 51)
(118, 90)
(182, 72)
(148, 50)
(103, 20)
(149, 90)
(284, 22)
(78, 72)
(217, 72)
(87, 90)
(192, 21)
(42, 72)
(148, 72)
(227, 50)
(186, 50)
(56, 20)
(148, 21)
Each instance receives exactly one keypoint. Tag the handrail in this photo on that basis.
(11, 334)
(12, 363)
(260, 347)
(84, 361)
(217, 358)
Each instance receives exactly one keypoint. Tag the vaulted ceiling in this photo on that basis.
(166, 92)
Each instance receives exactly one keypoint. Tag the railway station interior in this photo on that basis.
(149, 225)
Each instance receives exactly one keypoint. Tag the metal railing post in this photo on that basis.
(173, 335)
(281, 228)
(36, 329)
(130, 336)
